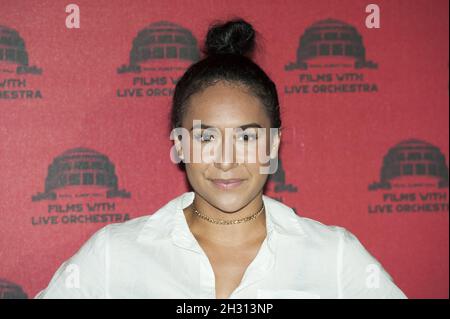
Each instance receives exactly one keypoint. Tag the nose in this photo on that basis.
(225, 158)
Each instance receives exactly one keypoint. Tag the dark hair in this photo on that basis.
(228, 50)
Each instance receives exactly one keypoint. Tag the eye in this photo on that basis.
(247, 137)
(204, 137)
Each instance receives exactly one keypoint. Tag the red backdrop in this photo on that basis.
(84, 137)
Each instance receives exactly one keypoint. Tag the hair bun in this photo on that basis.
(233, 37)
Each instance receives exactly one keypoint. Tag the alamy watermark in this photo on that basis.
(208, 145)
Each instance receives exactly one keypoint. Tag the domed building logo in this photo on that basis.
(413, 163)
(80, 183)
(331, 58)
(13, 54)
(81, 167)
(163, 50)
(331, 40)
(161, 41)
(14, 61)
(413, 178)
(9, 290)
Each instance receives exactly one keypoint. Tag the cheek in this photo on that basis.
(195, 172)
(253, 170)
(253, 153)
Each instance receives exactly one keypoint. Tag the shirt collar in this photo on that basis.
(280, 219)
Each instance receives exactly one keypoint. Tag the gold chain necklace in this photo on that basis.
(227, 222)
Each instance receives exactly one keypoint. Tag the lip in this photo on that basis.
(227, 184)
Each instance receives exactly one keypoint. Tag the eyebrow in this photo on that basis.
(243, 127)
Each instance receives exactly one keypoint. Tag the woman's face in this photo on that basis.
(222, 109)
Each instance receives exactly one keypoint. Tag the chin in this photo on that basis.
(228, 201)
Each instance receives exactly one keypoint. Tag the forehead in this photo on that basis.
(225, 105)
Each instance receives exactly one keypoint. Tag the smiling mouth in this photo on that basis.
(227, 184)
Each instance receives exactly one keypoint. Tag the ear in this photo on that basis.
(179, 147)
(275, 144)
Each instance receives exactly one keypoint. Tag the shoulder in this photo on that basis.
(153, 224)
(337, 239)
(317, 237)
(320, 231)
(293, 223)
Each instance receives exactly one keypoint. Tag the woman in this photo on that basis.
(224, 239)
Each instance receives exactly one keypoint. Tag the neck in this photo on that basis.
(226, 235)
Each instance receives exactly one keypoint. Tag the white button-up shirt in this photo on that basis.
(157, 256)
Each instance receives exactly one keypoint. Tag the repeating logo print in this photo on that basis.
(413, 178)
(278, 179)
(15, 67)
(160, 54)
(414, 158)
(278, 185)
(331, 57)
(9, 290)
(81, 187)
